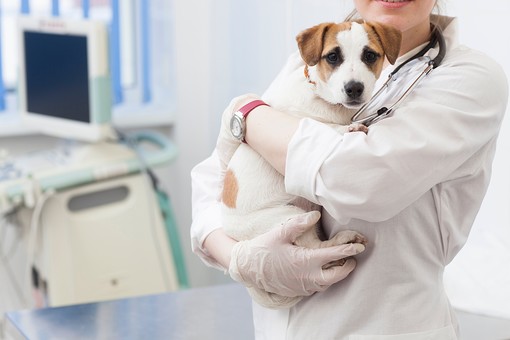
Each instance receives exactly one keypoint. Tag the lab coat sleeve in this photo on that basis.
(451, 115)
(206, 184)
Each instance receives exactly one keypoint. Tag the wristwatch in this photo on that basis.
(238, 120)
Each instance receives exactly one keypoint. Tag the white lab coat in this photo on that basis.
(412, 186)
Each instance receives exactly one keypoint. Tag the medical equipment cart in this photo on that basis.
(96, 227)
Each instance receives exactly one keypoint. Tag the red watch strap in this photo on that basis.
(246, 109)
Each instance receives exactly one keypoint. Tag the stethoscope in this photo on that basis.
(430, 64)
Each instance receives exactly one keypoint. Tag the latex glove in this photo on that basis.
(273, 263)
(227, 144)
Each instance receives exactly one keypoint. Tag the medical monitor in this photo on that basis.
(64, 82)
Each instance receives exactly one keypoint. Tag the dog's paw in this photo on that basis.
(337, 263)
(355, 127)
(348, 236)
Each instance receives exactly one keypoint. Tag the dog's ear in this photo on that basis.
(390, 39)
(310, 43)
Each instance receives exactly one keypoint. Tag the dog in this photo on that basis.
(342, 62)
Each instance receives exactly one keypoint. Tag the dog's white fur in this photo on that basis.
(254, 197)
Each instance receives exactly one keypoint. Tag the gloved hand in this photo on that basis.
(227, 144)
(273, 263)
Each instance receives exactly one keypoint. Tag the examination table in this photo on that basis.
(214, 313)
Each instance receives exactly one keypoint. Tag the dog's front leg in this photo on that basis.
(354, 127)
(310, 239)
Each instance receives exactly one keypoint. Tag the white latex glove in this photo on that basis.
(273, 263)
(227, 144)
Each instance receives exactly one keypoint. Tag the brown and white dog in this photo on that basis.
(341, 65)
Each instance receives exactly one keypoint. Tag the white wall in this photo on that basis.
(193, 133)
(479, 277)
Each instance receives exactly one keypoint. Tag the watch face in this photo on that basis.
(236, 127)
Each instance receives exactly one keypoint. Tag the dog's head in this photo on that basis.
(344, 60)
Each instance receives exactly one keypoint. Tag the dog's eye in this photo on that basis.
(370, 57)
(332, 58)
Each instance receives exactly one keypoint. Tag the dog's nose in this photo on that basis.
(354, 89)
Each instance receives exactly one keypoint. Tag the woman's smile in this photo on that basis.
(394, 3)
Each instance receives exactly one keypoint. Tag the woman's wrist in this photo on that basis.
(219, 245)
(269, 131)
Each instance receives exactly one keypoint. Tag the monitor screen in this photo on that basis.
(64, 86)
(57, 76)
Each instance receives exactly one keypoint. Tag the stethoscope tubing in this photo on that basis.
(431, 64)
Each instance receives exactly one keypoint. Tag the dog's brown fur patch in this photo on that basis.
(387, 37)
(230, 189)
(311, 43)
(330, 42)
(375, 45)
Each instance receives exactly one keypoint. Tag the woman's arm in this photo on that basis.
(270, 261)
(374, 176)
(219, 246)
(427, 141)
(206, 183)
(269, 132)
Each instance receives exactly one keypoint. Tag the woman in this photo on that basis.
(412, 186)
